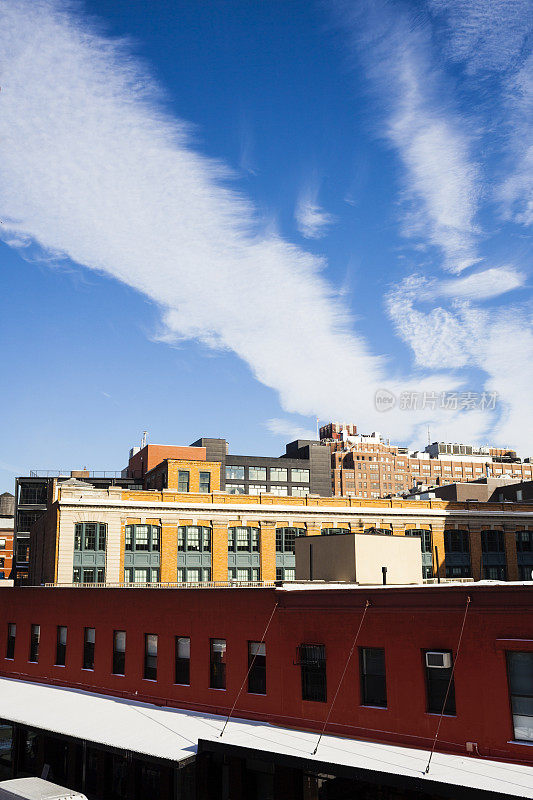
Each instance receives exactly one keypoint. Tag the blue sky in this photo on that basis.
(226, 219)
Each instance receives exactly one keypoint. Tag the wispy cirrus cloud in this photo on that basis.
(91, 169)
(288, 430)
(312, 220)
(440, 182)
(488, 35)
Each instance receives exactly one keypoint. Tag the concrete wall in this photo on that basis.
(358, 558)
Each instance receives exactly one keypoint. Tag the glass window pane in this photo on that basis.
(234, 473)
(278, 474)
(235, 488)
(257, 473)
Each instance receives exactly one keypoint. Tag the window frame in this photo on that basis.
(35, 640)
(450, 709)
(61, 646)
(182, 666)
(313, 672)
(11, 640)
(365, 678)
(119, 656)
(88, 647)
(217, 666)
(151, 643)
(257, 668)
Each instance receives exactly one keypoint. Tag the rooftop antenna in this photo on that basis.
(143, 440)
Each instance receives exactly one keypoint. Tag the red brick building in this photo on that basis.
(191, 649)
(369, 466)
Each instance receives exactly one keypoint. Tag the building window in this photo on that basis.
(183, 480)
(205, 482)
(11, 638)
(88, 648)
(333, 531)
(257, 667)
(379, 531)
(35, 637)
(90, 536)
(235, 488)
(142, 538)
(456, 541)
(256, 488)
(492, 542)
(278, 474)
(285, 574)
(119, 652)
(300, 475)
(194, 539)
(279, 491)
(257, 473)
(285, 538)
(300, 491)
(243, 540)
(2, 545)
(520, 670)
(312, 660)
(25, 520)
(61, 645)
(373, 681)
(244, 574)
(438, 673)
(234, 473)
(33, 494)
(217, 664)
(194, 574)
(141, 575)
(88, 575)
(183, 660)
(150, 656)
(524, 541)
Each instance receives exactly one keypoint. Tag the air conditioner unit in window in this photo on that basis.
(438, 660)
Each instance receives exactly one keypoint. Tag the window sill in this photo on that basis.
(257, 694)
(8, 659)
(150, 680)
(187, 685)
(87, 669)
(33, 662)
(377, 708)
(118, 674)
(438, 714)
(520, 741)
(62, 666)
(216, 689)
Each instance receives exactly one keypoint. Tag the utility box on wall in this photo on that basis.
(358, 558)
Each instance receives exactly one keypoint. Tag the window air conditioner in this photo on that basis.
(438, 660)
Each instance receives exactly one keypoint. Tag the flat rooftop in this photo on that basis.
(175, 734)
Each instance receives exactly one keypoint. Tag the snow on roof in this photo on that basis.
(173, 734)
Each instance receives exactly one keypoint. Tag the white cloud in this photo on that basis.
(311, 220)
(488, 35)
(93, 170)
(483, 285)
(497, 341)
(516, 192)
(441, 178)
(288, 430)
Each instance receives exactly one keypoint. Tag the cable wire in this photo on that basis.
(468, 601)
(252, 662)
(342, 676)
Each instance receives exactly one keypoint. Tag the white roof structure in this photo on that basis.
(173, 734)
(36, 789)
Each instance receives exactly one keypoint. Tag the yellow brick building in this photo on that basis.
(184, 530)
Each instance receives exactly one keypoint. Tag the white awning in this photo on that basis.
(173, 734)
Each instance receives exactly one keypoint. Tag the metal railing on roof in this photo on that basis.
(66, 473)
(448, 580)
(167, 585)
